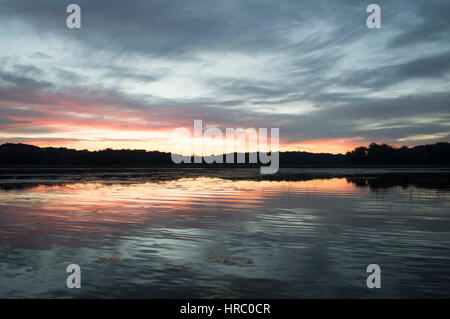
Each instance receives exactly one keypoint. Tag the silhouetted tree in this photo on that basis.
(374, 154)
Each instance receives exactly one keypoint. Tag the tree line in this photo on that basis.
(373, 154)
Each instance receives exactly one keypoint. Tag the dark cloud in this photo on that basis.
(25, 76)
(68, 75)
(436, 66)
(40, 55)
(176, 28)
(432, 25)
(10, 79)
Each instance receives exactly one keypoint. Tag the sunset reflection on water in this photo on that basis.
(308, 238)
(102, 208)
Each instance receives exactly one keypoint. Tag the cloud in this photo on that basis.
(311, 68)
(432, 25)
(437, 66)
(25, 76)
(40, 55)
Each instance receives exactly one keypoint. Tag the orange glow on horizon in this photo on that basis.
(164, 144)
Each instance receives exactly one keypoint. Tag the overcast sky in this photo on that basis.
(137, 69)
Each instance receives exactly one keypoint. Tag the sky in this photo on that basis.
(136, 70)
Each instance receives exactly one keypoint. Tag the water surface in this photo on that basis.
(204, 236)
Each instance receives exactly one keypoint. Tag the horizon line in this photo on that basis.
(236, 152)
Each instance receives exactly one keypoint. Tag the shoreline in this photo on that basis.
(374, 177)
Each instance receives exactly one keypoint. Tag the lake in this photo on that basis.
(174, 233)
